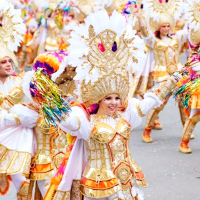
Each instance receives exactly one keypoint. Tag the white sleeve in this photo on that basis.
(7, 119)
(150, 40)
(27, 116)
(182, 35)
(148, 37)
(132, 113)
(76, 124)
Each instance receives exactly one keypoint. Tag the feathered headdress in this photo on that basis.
(162, 12)
(106, 52)
(12, 30)
(192, 14)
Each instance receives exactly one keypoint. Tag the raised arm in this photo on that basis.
(137, 109)
(149, 37)
(77, 124)
(19, 115)
(182, 35)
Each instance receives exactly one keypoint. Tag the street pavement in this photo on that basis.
(170, 174)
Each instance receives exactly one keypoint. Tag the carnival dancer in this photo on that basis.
(100, 165)
(164, 48)
(187, 90)
(16, 133)
(17, 119)
(51, 142)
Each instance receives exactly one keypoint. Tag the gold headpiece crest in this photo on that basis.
(193, 17)
(162, 12)
(106, 57)
(11, 31)
(114, 77)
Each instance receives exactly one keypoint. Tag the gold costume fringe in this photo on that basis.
(23, 191)
(13, 162)
(41, 175)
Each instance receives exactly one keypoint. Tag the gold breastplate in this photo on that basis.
(109, 158)
(167, 58)
(51, 149)
(51, 141)
(15, 96)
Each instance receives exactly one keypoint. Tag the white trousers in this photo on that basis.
(42, 186)
(17, 180)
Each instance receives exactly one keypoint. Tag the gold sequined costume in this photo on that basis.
(16, 138)
(100, 164)
(163, 55)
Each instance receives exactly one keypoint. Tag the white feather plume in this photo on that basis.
(79, 47)
(11, 19)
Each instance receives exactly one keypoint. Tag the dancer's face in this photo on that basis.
(164, 29)
(110, 104)
(6, 67)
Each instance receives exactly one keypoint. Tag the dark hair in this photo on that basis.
(157, 34)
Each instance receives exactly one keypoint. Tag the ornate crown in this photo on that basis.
(108, 54)
(113, 76)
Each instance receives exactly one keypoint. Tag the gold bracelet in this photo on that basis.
(139, 110)
(79, 124)
(17, 120)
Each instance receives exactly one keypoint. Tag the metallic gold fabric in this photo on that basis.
(165, 89)
(12, 162)
(139, 110)
(62, 195)
(75, 191)
(109, 160)
(51, 149)
(88, 192)
(23, 192)
(15, 96)
(142, 85)
(17, 120)
(134, 86)
(41, 175)
(113, 76)
(101, 185)
(51, 43)
(167, 59)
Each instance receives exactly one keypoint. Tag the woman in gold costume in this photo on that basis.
(100, 165)
(164, 49)
(51, 142)
(17, 120)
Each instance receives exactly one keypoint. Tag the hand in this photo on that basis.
(135, 10)
(176, 76)
(73, 4)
